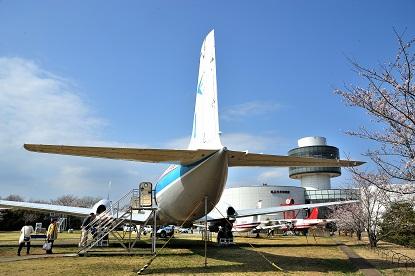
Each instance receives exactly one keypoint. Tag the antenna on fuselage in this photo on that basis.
(109, 189)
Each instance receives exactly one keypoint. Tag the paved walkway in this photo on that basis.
(362, 264)
(31, 257)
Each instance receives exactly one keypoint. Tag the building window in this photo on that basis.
(279, 192)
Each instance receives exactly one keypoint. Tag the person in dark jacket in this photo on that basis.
(85, 229)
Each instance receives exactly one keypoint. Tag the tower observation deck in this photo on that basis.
(314, 178)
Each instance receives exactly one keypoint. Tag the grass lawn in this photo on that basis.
(185, 255)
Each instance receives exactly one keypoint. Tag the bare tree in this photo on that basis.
(67, 200)
(39, 201)
(14, 198)
(71, 200)
(389, 98)
(87, 201)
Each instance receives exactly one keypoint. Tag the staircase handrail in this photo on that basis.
(113, 217)
(110, 229)
(111, 210)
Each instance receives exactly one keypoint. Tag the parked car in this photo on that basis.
(185, 230)
(166, 231)
(146, 229)
(129, 228)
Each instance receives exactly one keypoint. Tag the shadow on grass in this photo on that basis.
(381, 262)
(182, 243)
(239, 258)
(243, 260)
(286, 245)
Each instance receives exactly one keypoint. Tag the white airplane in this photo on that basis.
(198, 171)
(298, 225)
(249, 224)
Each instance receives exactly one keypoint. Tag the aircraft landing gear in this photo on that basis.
(225, 236)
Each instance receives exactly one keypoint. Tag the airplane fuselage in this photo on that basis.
(181, 190)
(302, 224)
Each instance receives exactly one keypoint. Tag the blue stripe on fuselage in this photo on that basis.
(176, 173)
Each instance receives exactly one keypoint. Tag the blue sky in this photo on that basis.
(125, 74)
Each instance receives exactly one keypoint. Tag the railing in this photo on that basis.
(331, 194)
(62, 222)
(110, 219)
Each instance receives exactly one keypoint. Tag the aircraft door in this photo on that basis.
(146, 194)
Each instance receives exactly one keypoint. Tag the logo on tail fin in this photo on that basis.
(313, 214)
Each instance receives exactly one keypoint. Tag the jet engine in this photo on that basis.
(223, 226)
(101, 206)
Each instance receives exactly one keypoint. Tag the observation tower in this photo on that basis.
(314, 178)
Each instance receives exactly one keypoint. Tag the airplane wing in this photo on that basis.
(276, 226)
(183, 157)
(240, 158)
(215, 215)
(62, 209)
(278, 209)
(282, 221)
(76, 211)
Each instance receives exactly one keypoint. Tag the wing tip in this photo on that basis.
(34, 147)
(28, 147)
(357, 163)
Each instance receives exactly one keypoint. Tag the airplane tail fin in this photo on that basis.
(313, 214)
(205, 134)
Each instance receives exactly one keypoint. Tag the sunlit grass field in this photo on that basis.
(295, 255)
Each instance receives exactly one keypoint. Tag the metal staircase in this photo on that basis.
(119, 213)
(62, 224)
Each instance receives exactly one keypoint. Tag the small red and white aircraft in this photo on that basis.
(303, 225)
(293, 224)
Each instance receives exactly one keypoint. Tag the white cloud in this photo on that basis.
(41, 107)
(273, 175)
(253, 108)
(37, 106)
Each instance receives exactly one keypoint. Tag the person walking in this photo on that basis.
(27, 229)
(52, 234)
(85, 227)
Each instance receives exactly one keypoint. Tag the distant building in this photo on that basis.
(315, 183)
(249, 197)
